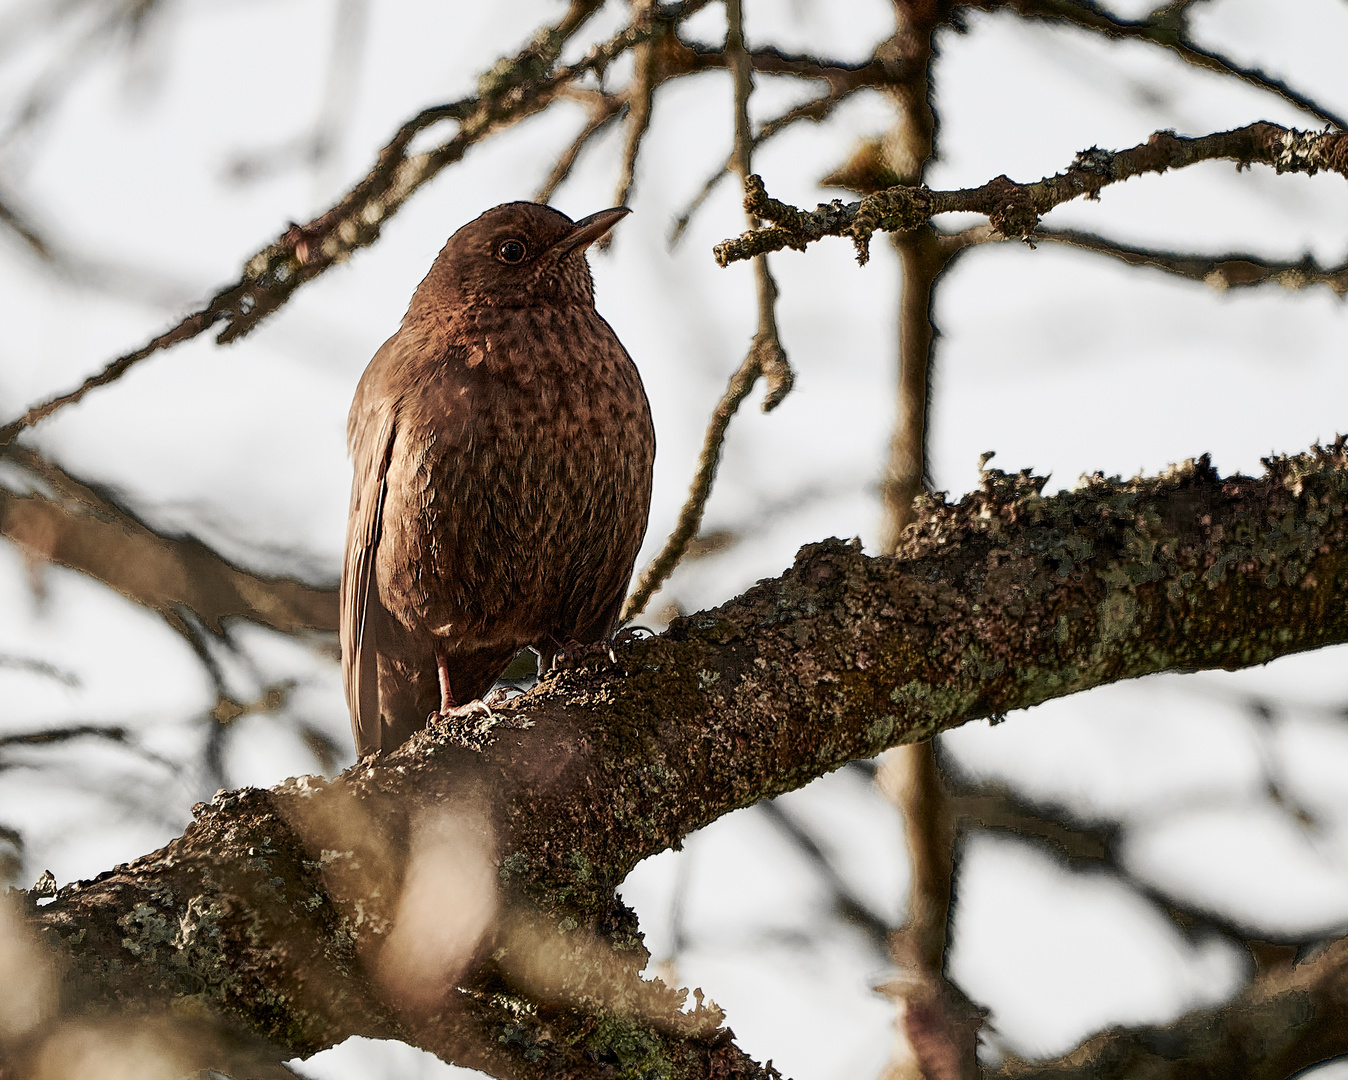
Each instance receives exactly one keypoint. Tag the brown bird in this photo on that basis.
(503, 447)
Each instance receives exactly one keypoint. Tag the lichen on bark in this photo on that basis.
(272, 912)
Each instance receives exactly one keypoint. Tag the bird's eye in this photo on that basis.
(511, 251)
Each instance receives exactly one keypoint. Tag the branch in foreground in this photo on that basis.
(1015, 209)
(302, 915)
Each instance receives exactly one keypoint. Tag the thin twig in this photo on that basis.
(608, 110)
(690, 517)
(1230, 271)
(1233, 270)
(1168, 28)
(640, 97)
(511, 91)
(766, 357)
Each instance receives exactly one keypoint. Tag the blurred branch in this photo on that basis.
(1230, 271)
(13, 219)
(1290, 1017)
(56, 736)
(85, 529)
(1233, 270)
(997, 809)
(51, 736)
(766, 357)
(1166, 26)
(935, 1026)
(1014, 209)
(512, 90)
(848, 906)
(318, 147)
(604, 109)
(275, 911)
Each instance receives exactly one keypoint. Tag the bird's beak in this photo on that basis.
(588, 230)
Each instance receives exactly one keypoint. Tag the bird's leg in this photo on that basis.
(448, 706)
(447, 702)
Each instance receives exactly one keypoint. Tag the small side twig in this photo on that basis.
(604, 109)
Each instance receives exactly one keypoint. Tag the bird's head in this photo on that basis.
(518, 254)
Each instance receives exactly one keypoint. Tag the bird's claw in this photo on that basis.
(462, 712)
(574, 652)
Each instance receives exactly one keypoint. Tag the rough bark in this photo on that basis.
(1014, 209)
(284, 915)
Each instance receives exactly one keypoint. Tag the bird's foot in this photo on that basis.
(573, 652)
(499, 695)
(462, 712)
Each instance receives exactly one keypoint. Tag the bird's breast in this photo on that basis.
(516, 468)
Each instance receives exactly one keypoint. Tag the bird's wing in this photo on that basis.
(359, 591)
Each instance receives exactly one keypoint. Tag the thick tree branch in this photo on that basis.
(1015, 209)
(287, 914)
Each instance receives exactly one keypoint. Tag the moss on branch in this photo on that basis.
(272, 911)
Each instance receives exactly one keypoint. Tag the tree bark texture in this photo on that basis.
(293, 918)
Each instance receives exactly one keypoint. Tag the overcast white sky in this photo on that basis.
(1055, 359)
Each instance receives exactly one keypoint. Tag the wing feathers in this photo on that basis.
(360, 597)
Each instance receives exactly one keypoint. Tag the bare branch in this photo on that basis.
(997, 603)
(1231, 271)
(88, 530)
(849, 907)
(13, 219)
(766, 357)
(511, 91)
(640, 98)
(1292, 1016)
(604, 109)
(1014, 209)
(1167, 27)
